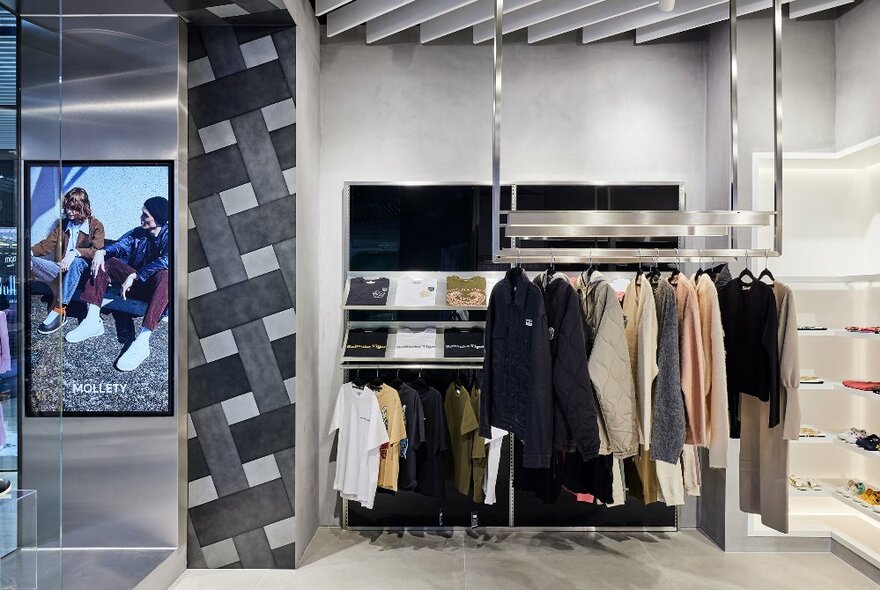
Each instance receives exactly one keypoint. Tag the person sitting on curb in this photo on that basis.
(66, 252)
(139, 263)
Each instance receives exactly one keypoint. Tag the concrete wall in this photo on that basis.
(858, 74)
(404, 111)
(308, 148)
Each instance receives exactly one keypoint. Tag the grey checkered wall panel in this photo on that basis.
(242, 281)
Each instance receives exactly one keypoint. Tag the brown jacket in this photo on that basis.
(56, 243)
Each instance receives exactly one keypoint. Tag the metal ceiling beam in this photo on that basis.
(409, 16)
(533, 14)
(808, 7)
(359, 12)
(701, 18)
(587, 16)
(322, 7)
(642, 18)
(468, 16)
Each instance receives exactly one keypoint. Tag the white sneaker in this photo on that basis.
(136, 354)
(84, 331)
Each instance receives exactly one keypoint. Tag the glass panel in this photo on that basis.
(39, 339)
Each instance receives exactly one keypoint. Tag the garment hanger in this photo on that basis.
(639, 270)
(590, 269)
(376, 383)
(517, 268)
(552, 269)
(357, 381)
(398, 382)
(700, 271)
(747, 273)
(654, 275)
(677, 270)
(766, 272)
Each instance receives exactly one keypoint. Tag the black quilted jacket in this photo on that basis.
(575, 423)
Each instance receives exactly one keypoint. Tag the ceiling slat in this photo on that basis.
(808, 7)
(701, 18)
(472, 14)
(322, 7)
(586, 16)
(410, 16)
(642, 18)
(359, 12)
(533, 14)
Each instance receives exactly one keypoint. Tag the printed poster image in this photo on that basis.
(98, 272)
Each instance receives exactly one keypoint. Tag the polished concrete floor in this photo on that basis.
(519, 561)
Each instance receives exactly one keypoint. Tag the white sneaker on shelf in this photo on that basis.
(136, 354)
(85, 330)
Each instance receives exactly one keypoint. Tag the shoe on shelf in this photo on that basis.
(5, 486)
(853, 488)
(869, 443)
(853, 435)
(49, 326)
(810, 432)
(136, 354)
(85, 330)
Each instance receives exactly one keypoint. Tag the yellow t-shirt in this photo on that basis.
(389, 453)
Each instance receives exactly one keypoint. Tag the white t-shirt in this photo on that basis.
(490, 478)
(361, 433)
(416, 292)
(416, 344)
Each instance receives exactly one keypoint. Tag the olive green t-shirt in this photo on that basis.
(478, 452)
(465, 292)
(462, 424)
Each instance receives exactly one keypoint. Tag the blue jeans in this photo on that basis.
(47, 271)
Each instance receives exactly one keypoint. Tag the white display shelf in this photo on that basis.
(875, 455)
(839, 333)
(855, 505)
(839, 387)
(825, 492)
(492, 277)
(815, 440)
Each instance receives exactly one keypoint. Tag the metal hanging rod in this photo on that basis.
(625, 255)
(475, 366)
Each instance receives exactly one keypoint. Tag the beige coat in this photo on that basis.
(641, 338)
(789, 361)
(715, 374)
(692, 359)
(609, 366)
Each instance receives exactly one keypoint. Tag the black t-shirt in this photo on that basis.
(429, 458)
(463, 343)
(368, 291)
(414, 421)
(367, 343)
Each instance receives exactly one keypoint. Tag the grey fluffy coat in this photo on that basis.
(668, 414)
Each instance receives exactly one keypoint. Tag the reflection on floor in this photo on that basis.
(82, 569)
(346, 560)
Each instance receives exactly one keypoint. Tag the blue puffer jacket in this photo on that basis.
(517, 393)
(141, 251)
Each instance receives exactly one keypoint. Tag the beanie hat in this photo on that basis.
(158, 209)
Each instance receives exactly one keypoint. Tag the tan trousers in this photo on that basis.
(763, 465)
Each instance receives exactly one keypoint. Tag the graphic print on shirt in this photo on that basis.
(383, 450)
(404, 444)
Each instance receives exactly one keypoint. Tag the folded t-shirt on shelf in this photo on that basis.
(465, 292)
(372, 291)
(366, 343)
(415, 292)
(463, 343)
(415, 344)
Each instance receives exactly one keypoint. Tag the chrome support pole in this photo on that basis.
(777, 122)
(496, 129)
(734, 121)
